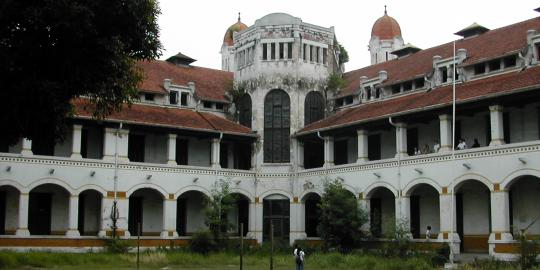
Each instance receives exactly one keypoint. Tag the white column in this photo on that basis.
(364, 204)
(401, 139)
(362, 146)
(171, 150)
(256, 221)
(73, 216)
(448, 230)
(169, 218)
(328, 151)
(276, 50)
(500, 216)
(123, 211)
(403, 212)
(76, 144)
(445, 125)
(105, 223)
(308, 52)
(300, 153)
(286, 50)
(26, 147)
(22, 229)
(216, 143)
(496, 120)
(111, 143)
(297, 230)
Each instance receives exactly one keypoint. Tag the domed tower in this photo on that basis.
(385, 38)
(227, 49)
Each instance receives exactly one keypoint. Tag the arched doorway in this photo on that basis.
(238, 213)
(89, 220)
(424, 211)
(524, 200)
(277, 114)
(312, 214)
(473, 215)
(382, 212)
(48, 210)
(190, 215)
(313, 107)
(146, 209)
(276, 211)
(9, 210)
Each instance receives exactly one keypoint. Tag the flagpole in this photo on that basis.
(453, 149)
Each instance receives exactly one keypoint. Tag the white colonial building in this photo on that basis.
(387, 135)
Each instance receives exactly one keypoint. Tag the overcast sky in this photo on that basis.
(196, 27)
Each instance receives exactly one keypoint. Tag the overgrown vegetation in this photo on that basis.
(527, 252)
(341, 217)
(335, 82)
(343, 54)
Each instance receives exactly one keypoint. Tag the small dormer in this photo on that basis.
(472, 31)
(406, 50)
(181, 59)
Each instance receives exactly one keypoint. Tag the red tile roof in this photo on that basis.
(478, 89)
(167, 117)
(210, 84)
(492, 44)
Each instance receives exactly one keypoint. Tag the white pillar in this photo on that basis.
(308, 52)
(26, 147)
(286, 50)
(276, 50)
(401, 139)
(362, 146)
(403, 213)
(169, 218)
(110, 141)
(364, 204)
(445, 125)
(73, 216)
(328, 151)
(123, 211)
(500, 216)
(256, 221)
(76, 142)
(216, 143)
(300, 154)
(297, 229)
(171, 150)
(496, 120)
(448, 230)
(105, 223)
(22, 229)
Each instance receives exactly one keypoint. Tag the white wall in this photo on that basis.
(155, 148)
(92, 210)
(476, 201)
(152, 212)
(12, 209)
(388, 144)
(429, 209)
(523, 123)
(59, 207)
(194, 212)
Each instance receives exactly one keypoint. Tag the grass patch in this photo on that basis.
(188, 260)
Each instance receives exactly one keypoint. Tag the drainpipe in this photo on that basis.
(398, 148)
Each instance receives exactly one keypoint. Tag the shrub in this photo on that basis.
(118, 246)
(527, 252)
(441, 255)
(202, 242)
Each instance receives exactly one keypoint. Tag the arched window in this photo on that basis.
(313, 107)
(244, 110)
(277, 113)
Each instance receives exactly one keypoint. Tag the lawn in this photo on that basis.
(191, 261)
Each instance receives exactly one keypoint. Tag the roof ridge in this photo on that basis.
(208, 121)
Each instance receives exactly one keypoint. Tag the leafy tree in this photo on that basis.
(341, 217)
(55, 50)
(343, 54)
(216, 209)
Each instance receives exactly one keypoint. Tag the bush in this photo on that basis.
(118, 246)
(202, 242)
(441, 256)
(527, 252)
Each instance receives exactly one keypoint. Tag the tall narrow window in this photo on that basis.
(273, 51)
(184, 99)
(324, 55)
(136, 147)
(304, 53)
(244, 110)
(182, 151)
(281, 50)
(311, 53)
(314, 107)
(277, 126)
(444, 74)
(265, 51)
(173, 97)
(289, 50)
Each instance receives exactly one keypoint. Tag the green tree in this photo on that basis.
(341, 217)
(55, 50)
(343, 54)
(217, 205)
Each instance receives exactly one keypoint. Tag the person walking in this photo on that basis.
(299, 257)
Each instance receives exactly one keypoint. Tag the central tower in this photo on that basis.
(385, 38)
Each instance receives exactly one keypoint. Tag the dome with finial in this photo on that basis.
(237, 27)
(385, 27)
